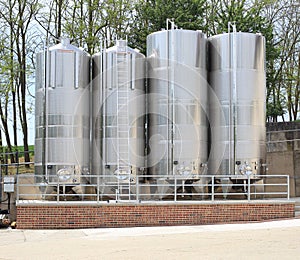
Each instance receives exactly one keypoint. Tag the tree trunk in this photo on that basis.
(59, 4)
(297, 91)
(1, 150)
(23, 101)
(6, 133)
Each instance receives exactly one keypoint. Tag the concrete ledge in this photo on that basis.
(150, 202)
(67, 215)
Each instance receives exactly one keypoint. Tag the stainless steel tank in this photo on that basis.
(62, 113)
(119, 103)
(237, 78)
(177, 104)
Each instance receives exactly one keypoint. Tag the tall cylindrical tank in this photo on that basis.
(237, 78)
(177, 103)
(118, 113)
(62, 113)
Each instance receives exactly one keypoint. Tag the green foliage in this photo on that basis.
(89, 22)
(212, 17)
(151, 16)
(20, 150)
(274, 110)
(250, 19)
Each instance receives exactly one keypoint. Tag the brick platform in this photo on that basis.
(51, 216)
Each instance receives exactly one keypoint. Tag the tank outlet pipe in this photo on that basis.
(233, 97)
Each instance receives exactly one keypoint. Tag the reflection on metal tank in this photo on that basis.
(237, 77)
(118, 114)
(62, 113)
(177, 103)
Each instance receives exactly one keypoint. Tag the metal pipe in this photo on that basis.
(116, 78)
(288, 186)
(171, 93)
(235, 104)
(213, 188)
(6, 162)
(110, 71)
(47, 82)
(132, 65)
(230, 107)
(18, 190)
(163, 185)
(175, 188)
(172, 68)
(8, 207)
(233, 98)
(57, 191)
(168, 93)
(137, 188)
(90, 117)
(249, 188)
(103, 106)
(76, 71)
(44, 110)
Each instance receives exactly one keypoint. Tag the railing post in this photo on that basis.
(288, 186)
(175, 189)
(213, 188)
(57, 192)
(137, 188)
(98, 189)
(17, 188)
(248, 188)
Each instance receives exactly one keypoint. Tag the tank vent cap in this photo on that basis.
(65, 41)
(121, 45)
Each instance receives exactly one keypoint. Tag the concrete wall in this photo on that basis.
(283, 152)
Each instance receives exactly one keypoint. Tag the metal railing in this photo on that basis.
(14, 162)
(147, 188)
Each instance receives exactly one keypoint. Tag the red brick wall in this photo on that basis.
(93, 216)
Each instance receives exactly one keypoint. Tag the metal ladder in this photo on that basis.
(123, 127)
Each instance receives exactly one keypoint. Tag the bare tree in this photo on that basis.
(17, 16)
(26, 12)
(8, 73)
(284, 92)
